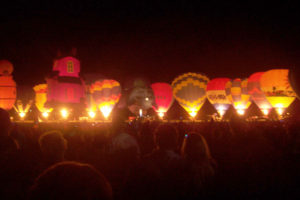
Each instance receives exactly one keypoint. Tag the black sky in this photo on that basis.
(155, 39)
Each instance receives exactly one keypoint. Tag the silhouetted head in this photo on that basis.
(5, 123)
(166, 137)
(53, 145)
(71, 180)
(195, 147)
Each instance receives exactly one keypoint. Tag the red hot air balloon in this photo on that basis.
(216, 94)
(163, 97)
(257, 95)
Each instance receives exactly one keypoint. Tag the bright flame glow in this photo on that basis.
(92, 114)
(141, 112)
(193, 113)
(45, 114)
(280, 111)
(106, 110)
(161, 114)
(64, 113)
(265, 111)
(241, 111)
(22, 114)
(279, 108)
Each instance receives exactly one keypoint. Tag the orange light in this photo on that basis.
(64, 113)
(193, 113)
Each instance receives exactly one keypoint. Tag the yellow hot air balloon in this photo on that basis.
(106, 94)
(189, 90)
(237, 93)
(41, 99)
(275, 84)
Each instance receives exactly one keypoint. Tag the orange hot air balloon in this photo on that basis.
(237, 93)
(106, 94)
(257, 95)
(163, 97)
(216, 94)
(189, 90)
(41, 99)
(8, 92)
(275, 84)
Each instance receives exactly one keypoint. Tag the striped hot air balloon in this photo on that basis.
(189, 90)
(237, 93)
(106, 94)
(275, 84)
(163, 97)
(216, 94)
(257, 95)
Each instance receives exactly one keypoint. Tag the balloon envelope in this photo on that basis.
(8, 92)
(216, 94)
(257, 95)
(275, 84)
(41, 97)
(106, 94)
(237, 93)
(190, 91)
(294, 79)
(6, 67)
(163, 97)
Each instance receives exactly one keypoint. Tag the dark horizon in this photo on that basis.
(157, 41)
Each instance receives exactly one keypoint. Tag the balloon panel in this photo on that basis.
(190, 91)
(8, 92)
(237, 93)
(276, 86)
(163, 96)
(6, 67)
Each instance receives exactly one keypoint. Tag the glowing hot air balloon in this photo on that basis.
(7, 86)
(257, 95)
(106, 94)
(163, 97)
(41, 99)
(275, 84)
(190, 91)
(237, 93)
(216, 95)
(294, 79)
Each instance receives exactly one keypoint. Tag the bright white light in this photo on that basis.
(141, 112)
(241, 111)
(92, 114)
(45, 114)
(193, 113)
(265, 111)
(161, 114)
(64, 113)
(280, 111)
(106, 110)
(147, 99)
(22, 114)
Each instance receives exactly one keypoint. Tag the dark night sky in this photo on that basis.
(157, 40)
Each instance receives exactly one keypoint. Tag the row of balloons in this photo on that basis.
(270, 89)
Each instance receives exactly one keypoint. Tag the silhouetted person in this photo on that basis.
(8, 158)
(71, 180)
(199, 166)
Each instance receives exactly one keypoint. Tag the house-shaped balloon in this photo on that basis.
(67, 86)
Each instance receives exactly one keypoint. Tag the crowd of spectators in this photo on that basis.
(150, 160)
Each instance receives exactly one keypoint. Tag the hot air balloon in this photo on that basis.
(7, 85)
(257, 95)
(275, 84)
(66, 86)
(140, 97)
(237, 93)
(41, 99)
(105, 95)
(163, 97)
(216, 95)
(189, 90)
(294, 79)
